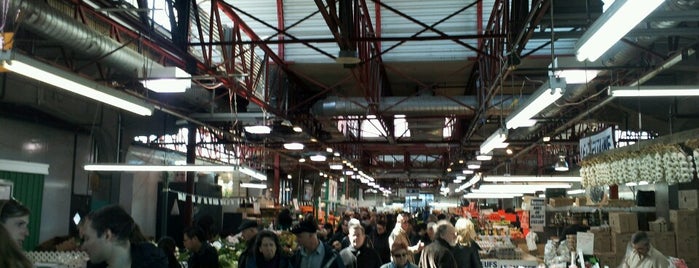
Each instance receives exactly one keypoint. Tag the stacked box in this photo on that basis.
(684, 221)
(623, 222)
(620, 242)
(692, 261)
(658, 226)
(664, 242)
(687, 246)
(688, 199)
(561, 201)
(603, 243)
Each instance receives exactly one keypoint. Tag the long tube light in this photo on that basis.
(57, 77)
(609, 28)
(508, 190)
(490, 195)
(253, 173)
(542, 98)
(496, 140)
(253, 185)
(654, 91)
(523, 187)
(532, 179)
(151, 168)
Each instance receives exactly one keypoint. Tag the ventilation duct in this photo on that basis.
(423, 106)
(42, 19)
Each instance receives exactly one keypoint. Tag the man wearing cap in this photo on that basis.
(312, 253)
(248, 230)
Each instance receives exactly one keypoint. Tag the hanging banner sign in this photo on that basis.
(537, 214)
(597, 143)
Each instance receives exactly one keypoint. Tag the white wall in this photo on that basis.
(33, 142)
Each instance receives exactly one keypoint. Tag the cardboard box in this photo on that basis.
(664, 242)
(603, 240)
(684, 221)
(660, 226)
(620, 242)
(580, 201)
(692, 261)
(623, 222)
(561, 201)
(688, 199)
(687, 245)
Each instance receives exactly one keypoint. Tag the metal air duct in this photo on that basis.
(42, 19)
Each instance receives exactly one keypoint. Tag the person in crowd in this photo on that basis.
(379, 239)
(643, 254)
(340, 234)
(168, 245)
(248, 230)
(267, 252)
(399, 257)
(430, 232)
(203, 255)
(466, 250)
(284, 219)
(112, 239)
(358, 253)
(438, 253)
(312, 253)
(574, 227)
(325, 233)
(11, 256)
(15, 218)
(400, 235)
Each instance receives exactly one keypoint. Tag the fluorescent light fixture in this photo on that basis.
(293, 146)
(532, 179)
(318, 158)
(655, 91)
(253, 185)
(476, 178)
(547, 94)
(335, 166)
(167, 80)
(252, 173)
(576, 76)
(523, 187)
(496, 140)
(258, 129)
(151, 168)
(617, 21)
(576, 191)
(57, 77)
(508, 190)
(467, 171)
(298, 129)
(633, 184)
(484, 157)
(302, 160)
(348, 172)
(473, 164)
(329, 150)
(491, 195)
(509, 151)
(546, 139)
(565, 67)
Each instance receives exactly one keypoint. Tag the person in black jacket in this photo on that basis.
(312, 253)
(438, 253)
(466, 249)
(379, 239)
(203, 255)
(112, 238)
(358, 254)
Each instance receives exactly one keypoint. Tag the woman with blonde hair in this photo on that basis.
(466, 249)
(11, 256)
